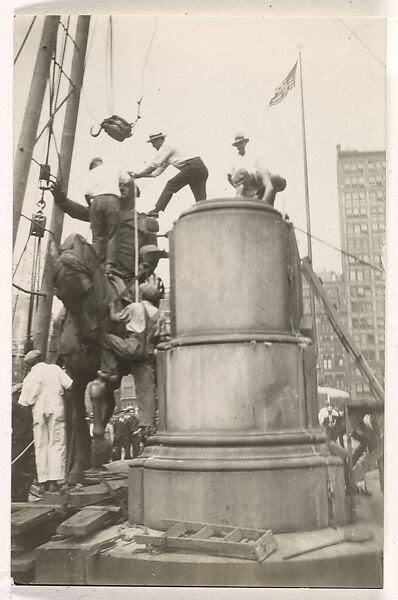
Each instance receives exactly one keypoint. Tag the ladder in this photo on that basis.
(222, 540)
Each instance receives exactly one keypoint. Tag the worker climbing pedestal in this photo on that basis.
(238, 440)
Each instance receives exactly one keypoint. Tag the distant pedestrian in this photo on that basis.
(193, 171)
(43, 389)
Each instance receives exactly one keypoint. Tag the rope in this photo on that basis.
(22, 253)
(362, 42)
(25, 39)
(344, 252)
(22, 453)
(88, 52)
(147, 57)
(51, 119)
(148, 52)
(111, 61)
(21, 289)
(68, 35)
(60, 66)
(108, 66)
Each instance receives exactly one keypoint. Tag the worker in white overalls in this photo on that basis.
(43, 389)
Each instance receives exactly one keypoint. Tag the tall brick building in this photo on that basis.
(361, 178)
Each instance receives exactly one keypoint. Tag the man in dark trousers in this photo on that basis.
(22, 450)
(193, 171)
(147, 226)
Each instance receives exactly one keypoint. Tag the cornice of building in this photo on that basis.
(348, 153)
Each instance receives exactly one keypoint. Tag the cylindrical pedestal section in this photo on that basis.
(237, 384)
(238, 439)
(230, 269)
(283, 488)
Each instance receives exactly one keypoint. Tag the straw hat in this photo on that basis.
(156, 136)
(239, 138)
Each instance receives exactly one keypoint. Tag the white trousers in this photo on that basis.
(50, 448)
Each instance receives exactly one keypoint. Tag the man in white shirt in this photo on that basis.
(43, 389)
(102, 193)
(250, 179)
(242, 159)
(145, 328)
(193, 171)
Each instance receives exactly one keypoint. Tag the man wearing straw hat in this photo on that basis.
(193, 171)
(250, 179)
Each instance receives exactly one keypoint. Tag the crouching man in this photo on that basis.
(261, 185)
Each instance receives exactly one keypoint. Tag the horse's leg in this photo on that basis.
(102, 401)
(110, 406)
(80, 443)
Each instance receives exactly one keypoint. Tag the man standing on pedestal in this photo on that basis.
(193, 171)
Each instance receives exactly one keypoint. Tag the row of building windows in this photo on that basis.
(361, 292)
(361, 246)
(359, 275)
(360, 322)
(360, 388)
(330, 362)
(360, 181)
(361, 196)
(365, 258)
(361, 306)
(363, 339)
(366, 306)
(356, 211)
(358, 167)
(359, 228)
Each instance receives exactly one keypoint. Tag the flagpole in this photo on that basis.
(307, 208)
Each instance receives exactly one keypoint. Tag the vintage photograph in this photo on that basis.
(198, 301)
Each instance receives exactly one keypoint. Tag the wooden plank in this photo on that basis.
(235, 536)
(204, 533)
(87, 495)
(177, 529)
(27, 518)
(15, 506)
(369, 461)
(84, 522)
(194, 526)
(23, 562)
(253, 551)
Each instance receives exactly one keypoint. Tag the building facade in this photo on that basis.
(361, 178)
(332, 362)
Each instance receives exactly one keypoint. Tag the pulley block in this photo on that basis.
(116, 127)
(38, 225)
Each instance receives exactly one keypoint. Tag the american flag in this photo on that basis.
(287, 84)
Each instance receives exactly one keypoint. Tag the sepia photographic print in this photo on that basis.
(198, 300)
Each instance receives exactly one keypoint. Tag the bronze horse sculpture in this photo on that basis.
(81, 284)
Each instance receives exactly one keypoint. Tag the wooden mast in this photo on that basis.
(66, 151)
(31, 118)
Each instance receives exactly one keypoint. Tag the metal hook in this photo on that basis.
(98, 132)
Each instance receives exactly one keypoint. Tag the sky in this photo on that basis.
(210, 78)
(207, 78)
